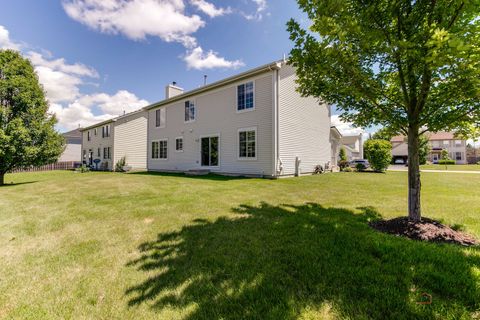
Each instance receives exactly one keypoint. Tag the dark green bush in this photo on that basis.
(360, 167)
(343, 164)
(378, 153)
(446, 161)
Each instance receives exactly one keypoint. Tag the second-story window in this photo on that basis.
(458, 143)
(245, 97)
(106, 131)
(189, 111)
(95, 132)
(88, 136)
(160, 118)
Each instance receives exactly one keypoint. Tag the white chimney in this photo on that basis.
(172, 90)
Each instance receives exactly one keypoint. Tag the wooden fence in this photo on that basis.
(65, 165)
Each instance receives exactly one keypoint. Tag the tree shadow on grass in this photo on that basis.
(275, 262)
(11, 184)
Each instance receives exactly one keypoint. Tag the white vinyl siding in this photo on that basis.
(216, 114)
(304, 128)
(130, 140)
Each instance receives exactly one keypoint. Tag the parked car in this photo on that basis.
(353, 163)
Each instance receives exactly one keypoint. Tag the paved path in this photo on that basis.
(405, 169)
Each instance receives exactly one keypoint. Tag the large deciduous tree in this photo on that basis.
(412, 66)
(27, 134)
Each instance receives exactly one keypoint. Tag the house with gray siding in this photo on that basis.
(105, 143)
(251, 124)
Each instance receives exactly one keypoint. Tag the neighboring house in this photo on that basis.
(73, 147)
(254, 123)
(353, 146)
(457, 148)
(111, 140)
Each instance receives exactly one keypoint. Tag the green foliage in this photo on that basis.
(120, 164)
(342, 154)
(343, 164)
(447, 161)
(347, 169)
(444, 155)
(424, 149)
(83, 169)
(27, 134)
(360, 167)
(378, 153)
(384, 133)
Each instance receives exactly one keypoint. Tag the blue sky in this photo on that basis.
(98, 58)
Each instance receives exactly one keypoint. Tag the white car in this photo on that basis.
(366, 164)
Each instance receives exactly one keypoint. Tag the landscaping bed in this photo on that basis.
(424, 230)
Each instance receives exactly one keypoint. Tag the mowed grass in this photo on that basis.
(456, 167)
(152, 246)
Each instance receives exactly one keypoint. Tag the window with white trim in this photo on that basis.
(459, 156)
(189, 111)
(458, 143)
(179, 144)
(446, 143)
(245, 96)
(106, 153)
(247, 143)
(160, 149)
(89, 136)
(106, 131)
(95, 132)
(160, 118)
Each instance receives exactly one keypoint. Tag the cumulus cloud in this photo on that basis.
(137, 19)
(165, 19)
(261, 7)
(80, 112)
(5, 42)
(198, 59)
(345, 128)
(63, 82)
(210, 9)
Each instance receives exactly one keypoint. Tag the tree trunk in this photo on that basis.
(2, 178)
(414, 185)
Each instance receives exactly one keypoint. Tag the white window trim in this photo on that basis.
(151, 154)
(196, 113)
(183, 144)
(219, 149)
(236, 98)
(256, 144)
(164, 120)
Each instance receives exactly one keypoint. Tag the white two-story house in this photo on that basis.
(105, 143)
(253, 124)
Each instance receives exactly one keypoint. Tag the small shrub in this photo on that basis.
(378, 153)
(318, 169)
(343, 164)
(360, 167)
(343, 154)
(458, 227)
(347, 169)
(83, 169)
(120, 164)
(478, 163)
(446, 161)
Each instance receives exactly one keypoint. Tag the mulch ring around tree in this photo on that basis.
(425, 230)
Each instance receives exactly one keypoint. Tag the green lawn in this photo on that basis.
(141, 246)
(456, 167)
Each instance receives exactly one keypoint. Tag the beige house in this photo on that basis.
(105, 143)
(73, 146)
(253, 124)
(457, 148)
(353, 145)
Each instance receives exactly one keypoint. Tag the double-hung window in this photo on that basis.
(458, 143)
(458, 156)
(106, 153)
(189, 111)
(160, 118)
(247, 143)
(160, 149)
(179, 144)
(95, 132)
(98, 153)
(106, 131)
(245, 97)
(89, 136)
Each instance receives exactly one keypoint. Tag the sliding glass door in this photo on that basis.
(209, 150)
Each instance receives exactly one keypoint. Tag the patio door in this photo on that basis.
(209, 151)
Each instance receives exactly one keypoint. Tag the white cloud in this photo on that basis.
(210, 9)
(62, 83)
(5, 42)
(198, 59)
(261, 6)
(80, 112)
(345, 128)
(137, 19)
